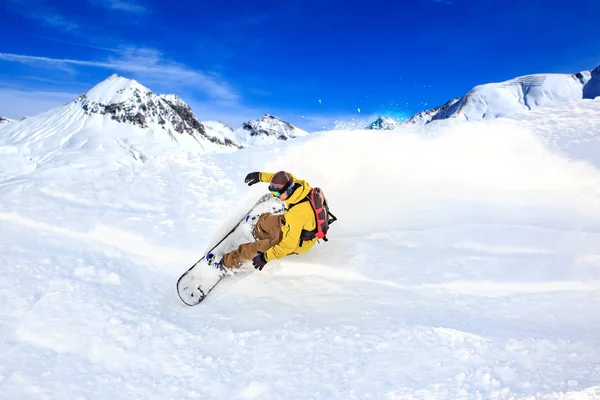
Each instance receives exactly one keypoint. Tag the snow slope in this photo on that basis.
(4, 120)
(503, 99)
(216, 128)
(465, 265)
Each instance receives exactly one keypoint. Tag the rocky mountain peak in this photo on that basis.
(442, 112)
(268, 126)
(383, 123)
(117, 89)
(127, 101)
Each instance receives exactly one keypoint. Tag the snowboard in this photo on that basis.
(198, 281)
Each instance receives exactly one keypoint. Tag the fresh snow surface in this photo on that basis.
(465, 265)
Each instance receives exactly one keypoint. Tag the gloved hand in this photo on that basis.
(259, 261)
(252, 178)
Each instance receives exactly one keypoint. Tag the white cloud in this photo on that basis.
(57, 21)
(144, 64)
(121, 5)
(74, 43)
(35, 9)
(16, 104)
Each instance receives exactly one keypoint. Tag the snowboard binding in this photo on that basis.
(210, 259)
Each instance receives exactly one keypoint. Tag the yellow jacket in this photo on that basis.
(298, 218)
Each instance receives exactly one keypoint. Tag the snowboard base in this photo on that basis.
(197, 282)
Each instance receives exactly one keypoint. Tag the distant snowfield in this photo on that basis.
(465, 264)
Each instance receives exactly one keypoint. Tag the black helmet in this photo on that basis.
(280, 183)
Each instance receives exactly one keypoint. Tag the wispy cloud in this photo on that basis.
(144, 64)
(74, 43)
(121, 5)
(35, 9)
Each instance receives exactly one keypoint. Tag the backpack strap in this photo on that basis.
(306, 198)
(332, 219)
(309, 235)
(306, 235)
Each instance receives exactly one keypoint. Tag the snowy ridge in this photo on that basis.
(267, 130)
(218, 128)
(524, 93)
(173, 99)
(4, 120)
(444, 111)
(502, 99)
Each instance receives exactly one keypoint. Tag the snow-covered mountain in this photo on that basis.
(117, 116)
(218, 128)
(444, 111)
(127, 101)
(383, 123)
(4, 120)
(141, 122)
(493, 100)
(266, 130)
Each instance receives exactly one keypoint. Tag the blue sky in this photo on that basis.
(310, 62)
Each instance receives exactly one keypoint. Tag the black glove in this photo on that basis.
(259, 261)
(252, 178)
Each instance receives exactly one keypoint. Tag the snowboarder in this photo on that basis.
(291, 226)
(278, 235)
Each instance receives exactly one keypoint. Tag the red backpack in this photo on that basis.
(323, 217)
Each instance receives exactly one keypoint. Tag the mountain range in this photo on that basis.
(503, 99)
(121, 111)
(130, 115)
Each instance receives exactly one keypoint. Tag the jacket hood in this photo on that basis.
(300, 193)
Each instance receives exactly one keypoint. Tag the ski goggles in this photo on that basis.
(277, 190)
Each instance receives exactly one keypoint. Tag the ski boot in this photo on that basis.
(251, 220)
(210, 259)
